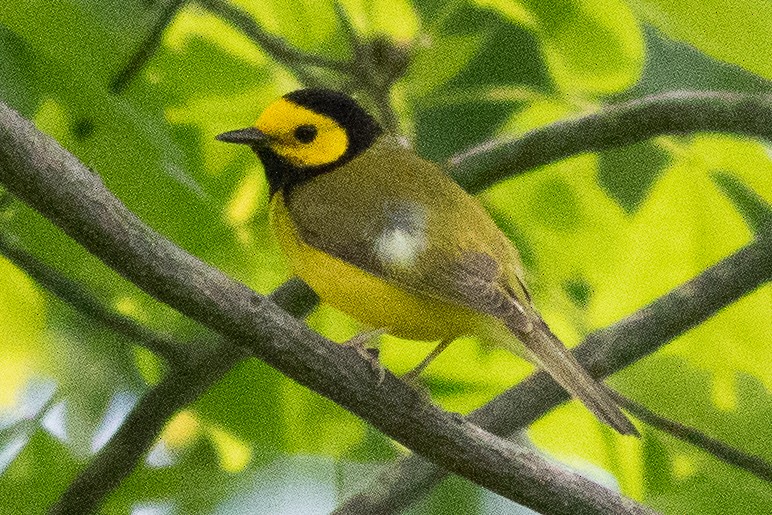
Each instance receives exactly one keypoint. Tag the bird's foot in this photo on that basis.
(359, 343)
(412, 376)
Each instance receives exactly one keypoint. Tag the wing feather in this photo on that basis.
(420, 232)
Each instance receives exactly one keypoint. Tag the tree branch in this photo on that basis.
(274, 46)
(85, 302)
(678, 112)
(115, 461)
(375, 67)
(602, 353)
(36, 169)
(753, 464)
(148, 46)
(142, 427)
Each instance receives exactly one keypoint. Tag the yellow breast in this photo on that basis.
(367, 298)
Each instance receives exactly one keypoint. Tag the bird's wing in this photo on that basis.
(422, 233)
(418, 230)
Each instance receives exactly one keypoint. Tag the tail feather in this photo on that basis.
(551, 355)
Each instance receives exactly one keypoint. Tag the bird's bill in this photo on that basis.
(248, 136)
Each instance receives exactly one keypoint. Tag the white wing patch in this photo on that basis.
(398, 247)
(403, 238)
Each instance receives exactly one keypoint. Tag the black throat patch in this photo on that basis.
(283, 175)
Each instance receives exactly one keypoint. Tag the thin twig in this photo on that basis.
(274, 46)
(148, 46)
(388, 116)
(123, 452)
(295, 297)
(358, 50)
(602, 353)
(25, 425)
(679, 112)
(36, 169)
(141, 428)
(754, 464)
(367, 75)
(755, 210)
(85, 302)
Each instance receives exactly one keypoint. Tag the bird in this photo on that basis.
(387, 237)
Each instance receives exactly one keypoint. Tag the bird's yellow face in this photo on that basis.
(301, 136)
(306, 133)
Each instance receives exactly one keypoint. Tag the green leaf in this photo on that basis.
(310, 25)
(628, 173)
(23, 340)
(49, 27)
(679, 477)
(579, 291)
(22, 310)
(438, 60)
(591, 46)
(314, 425)
(756, 211)
(494, 67)
(18, 73)
(372, 18)
(193, 483)
(44, 467)
(445, 129)
(735, 31)
(512, 9)
(453, 495)
(238, 402)
(470, 98)
(673, 65)
(556, 205)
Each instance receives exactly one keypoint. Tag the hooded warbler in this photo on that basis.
(388, 238)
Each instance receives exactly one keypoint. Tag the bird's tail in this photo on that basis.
(551, 355)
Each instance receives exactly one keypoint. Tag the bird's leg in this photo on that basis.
(413, 374)
(359, 343)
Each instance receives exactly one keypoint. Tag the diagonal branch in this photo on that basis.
(144, 424)
(85, 302)
(602, 353)
(274, 46)
(148, 46)
(36, 169)
(677, 112)
(139, 431)
(753, 464)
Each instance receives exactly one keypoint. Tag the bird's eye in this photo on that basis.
(305, 133)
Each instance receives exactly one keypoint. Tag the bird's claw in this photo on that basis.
(359, 343)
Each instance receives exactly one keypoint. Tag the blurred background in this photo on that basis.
(602, 235)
